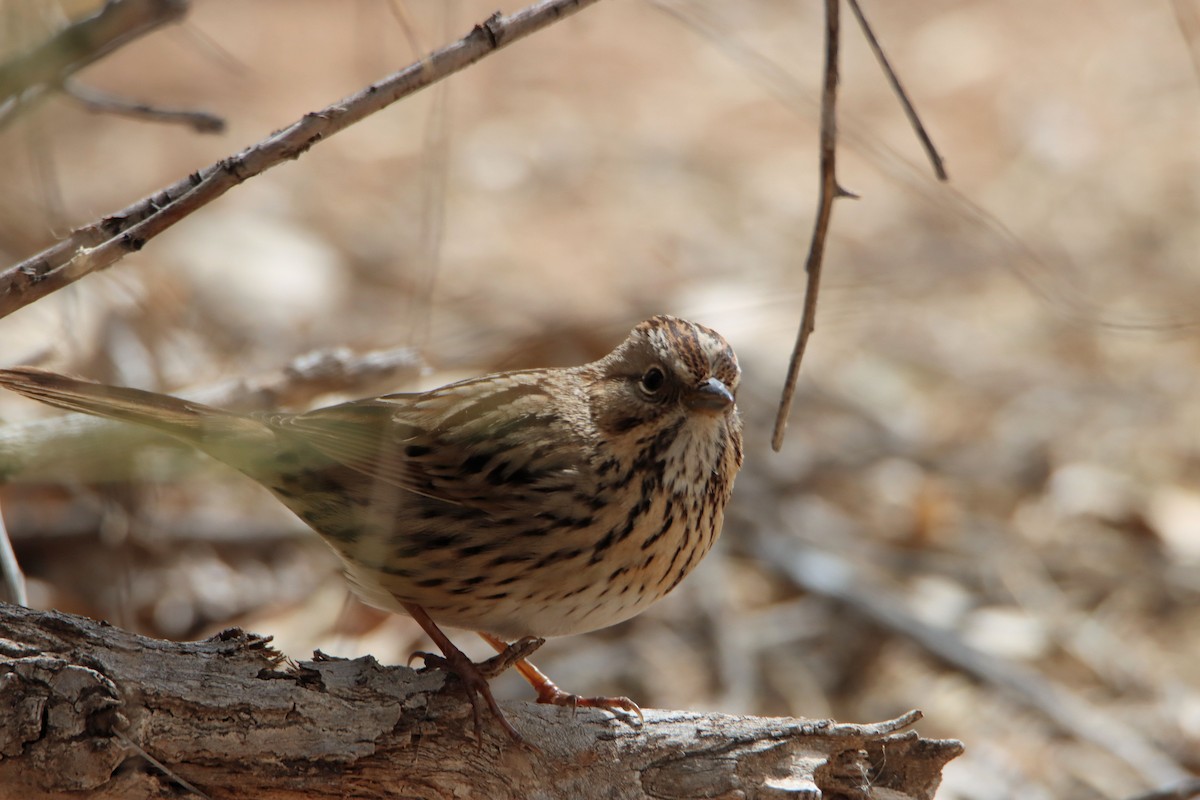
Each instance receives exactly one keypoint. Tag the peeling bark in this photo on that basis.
(96, 710)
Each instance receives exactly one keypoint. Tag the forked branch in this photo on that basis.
(831, 190)
(83, 42)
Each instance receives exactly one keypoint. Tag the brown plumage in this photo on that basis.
(522, 504)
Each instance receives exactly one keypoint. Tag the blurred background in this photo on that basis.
(988, 502)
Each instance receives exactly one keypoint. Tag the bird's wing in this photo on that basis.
(497, 446)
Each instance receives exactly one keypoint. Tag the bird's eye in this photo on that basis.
(653, 380)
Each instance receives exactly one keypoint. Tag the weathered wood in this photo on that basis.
(85, 705)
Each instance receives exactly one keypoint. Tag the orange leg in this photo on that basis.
(548, 691)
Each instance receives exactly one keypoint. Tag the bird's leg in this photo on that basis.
(548, 691)
(456, 661)
(510, 655)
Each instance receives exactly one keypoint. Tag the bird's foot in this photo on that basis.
(475, 682)
(622, 707)
(474, 677)
(548, 691)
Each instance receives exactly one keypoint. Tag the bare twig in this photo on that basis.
(83, 42)
(404, 20)
(935, 158)
(102, 243)
(163, 768)
(1187, 19)
(830, 191)
(1181, 791)
(104, 103)
(783, 86)
(1040, 275)
(10, 570)
(433, 177)
(317, 373)
(831, 576)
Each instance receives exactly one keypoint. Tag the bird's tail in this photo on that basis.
(210, 429)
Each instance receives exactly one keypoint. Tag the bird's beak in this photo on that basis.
(711, 396)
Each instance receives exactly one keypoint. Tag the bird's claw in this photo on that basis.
(475, 677)
(622, 707)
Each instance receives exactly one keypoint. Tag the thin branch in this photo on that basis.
(102, 243)
(404, 20)
(1181, 791)
(832, 576)
(105, 103)
(935, 158)
(163, 768)
(83, 42)
(434, 172)
(10, 570)
(782, 85)
(1187, 19)
(1025, 264)
(830, 191)
(314, 374)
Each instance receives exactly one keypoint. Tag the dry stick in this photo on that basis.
(935, 158)
(10, 570)
(829, 192)
(319, 372)
(787, 89)
(1183, 791)
(404, 20)
(334, 728)
(85, 41)
(101, 244)
(433, 179)
(105, 103)
(833, 577)
(163, 768)
(954, 204)
(1188, 22)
